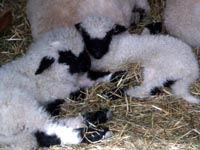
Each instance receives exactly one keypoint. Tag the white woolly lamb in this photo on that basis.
(182, 19)
(166, 60)
(50, 70)
(45, 15)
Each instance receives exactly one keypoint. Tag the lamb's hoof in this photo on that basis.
(118, 75)
(97, 117)
(137, 92)
(95, 134)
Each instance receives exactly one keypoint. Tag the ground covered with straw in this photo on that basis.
(161, 122)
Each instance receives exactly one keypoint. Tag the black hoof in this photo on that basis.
(97, 117)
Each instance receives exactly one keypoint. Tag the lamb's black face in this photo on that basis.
(98, 47)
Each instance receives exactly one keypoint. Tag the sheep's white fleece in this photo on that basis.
(45, 15)
(164, 58)
(22, 92)
(182, 19)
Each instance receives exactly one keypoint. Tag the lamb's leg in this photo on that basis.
(74, 130)
(180, 89)
(152, 80)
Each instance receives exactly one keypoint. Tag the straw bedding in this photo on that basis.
(161, 122)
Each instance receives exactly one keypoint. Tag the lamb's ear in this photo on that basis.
(45, 63)
(78, 27)
(118, 29)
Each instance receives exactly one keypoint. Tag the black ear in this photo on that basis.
(45, 63)
(78, 27)
(118, 29)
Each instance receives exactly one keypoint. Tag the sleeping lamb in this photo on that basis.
(166, 60)
(55, 65)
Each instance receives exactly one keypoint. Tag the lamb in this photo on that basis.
(166, 61)
(55, 65)
(182, 19)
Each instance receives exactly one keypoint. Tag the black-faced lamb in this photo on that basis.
(182, 19)
(166, 60)
(55, 65)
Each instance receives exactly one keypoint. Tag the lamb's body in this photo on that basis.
(182, 19)
(45, 15)
(43, 75)
(164, 59)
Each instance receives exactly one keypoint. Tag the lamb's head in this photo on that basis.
(97, 32)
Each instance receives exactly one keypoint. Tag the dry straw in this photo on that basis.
(162, 122)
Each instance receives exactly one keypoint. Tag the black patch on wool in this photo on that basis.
(54, 107)
(45, 140)
(156, 90)
(168, 83)
(155, 28)
(94, 75)
(76, 64)
(99, 47)
(45, 63)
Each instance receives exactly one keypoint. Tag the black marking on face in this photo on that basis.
(45, 140)
(54, 108)
(155, 28)
(98, 47)
(156, 90)
(45, 63)
(76, 64)
(168, 83)
(97, 117)
(95, 75)
(93, 134)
